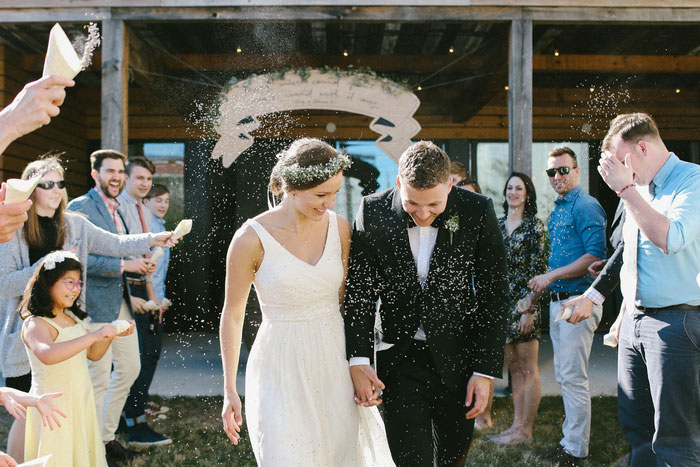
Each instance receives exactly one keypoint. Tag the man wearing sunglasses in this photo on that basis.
(577, 239)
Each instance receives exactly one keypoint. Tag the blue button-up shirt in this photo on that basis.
(576, 227)
(673, 278)
(158, 278)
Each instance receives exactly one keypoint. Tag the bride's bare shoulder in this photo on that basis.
(344, 226)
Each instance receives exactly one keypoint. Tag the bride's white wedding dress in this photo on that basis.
(298, 392)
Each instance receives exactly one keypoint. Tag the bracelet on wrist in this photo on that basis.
(619, 193)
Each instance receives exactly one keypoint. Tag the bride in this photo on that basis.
(299, 396)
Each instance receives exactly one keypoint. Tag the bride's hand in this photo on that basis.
(232, 416)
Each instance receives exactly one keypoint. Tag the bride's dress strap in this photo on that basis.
(265, 237)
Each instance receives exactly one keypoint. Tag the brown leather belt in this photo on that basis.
(559, 296)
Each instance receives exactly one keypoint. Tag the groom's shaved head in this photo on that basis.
(424, 165)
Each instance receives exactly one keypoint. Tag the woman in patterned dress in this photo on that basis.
(526, 252)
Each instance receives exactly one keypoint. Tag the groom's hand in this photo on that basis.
(367, 385)
(478, 392)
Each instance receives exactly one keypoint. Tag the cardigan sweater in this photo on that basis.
(16, 270)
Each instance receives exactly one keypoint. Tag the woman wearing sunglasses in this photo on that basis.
(49, 227)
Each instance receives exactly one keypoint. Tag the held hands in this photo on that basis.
(137, 304)
(231, 414)
(367, 385)
(615, 174)
(540, 283)
(478, 393)
(582, 309)
(130, 331)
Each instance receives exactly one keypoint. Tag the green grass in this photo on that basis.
(194, 424)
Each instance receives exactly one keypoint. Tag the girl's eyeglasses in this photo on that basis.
(71, 284)
(50, 184)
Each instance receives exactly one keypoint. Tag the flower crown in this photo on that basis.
(55, 257)
(297, 175)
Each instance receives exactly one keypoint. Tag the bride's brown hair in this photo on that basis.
(301, 153)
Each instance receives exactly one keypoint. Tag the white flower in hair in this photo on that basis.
(298, 175)
(55, 257)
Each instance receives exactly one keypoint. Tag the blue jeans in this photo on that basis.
(150, 345)
(658, 387)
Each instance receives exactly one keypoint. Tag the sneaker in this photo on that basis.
(156, 408)
(153, 415)
(143, 436)
(560, 456)
(116, 452)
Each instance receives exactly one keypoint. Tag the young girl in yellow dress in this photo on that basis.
(58, 346)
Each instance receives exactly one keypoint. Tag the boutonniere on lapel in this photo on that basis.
(452, 225)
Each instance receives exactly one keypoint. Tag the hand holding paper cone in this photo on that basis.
(19, 190)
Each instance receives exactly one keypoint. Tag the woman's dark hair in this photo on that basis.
(470, 181)
(304, 152)
(530, 195)
(37, 300)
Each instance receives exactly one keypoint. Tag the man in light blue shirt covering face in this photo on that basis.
(577, 239)
(659, 357)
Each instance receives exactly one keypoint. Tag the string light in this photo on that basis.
(591, 89)
(238, 49)
(556, 52)
(345, 53)
(506, 87)
(678, 90)
(419, 88)
(452, 49)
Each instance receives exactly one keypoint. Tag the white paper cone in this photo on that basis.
(157, 253)
(165, 302)
(564, 314)
(610, 340)
(183, 228)
(121, 324)
(150, 305)
(18, 190)
(61, 58)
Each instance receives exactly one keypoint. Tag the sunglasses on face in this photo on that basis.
(71, 284)
(50, 184)
(561, 170)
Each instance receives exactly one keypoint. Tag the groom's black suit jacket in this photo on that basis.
(465, 330)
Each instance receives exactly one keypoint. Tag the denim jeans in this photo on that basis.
(150, 345)
(572, 348)
(658, 387)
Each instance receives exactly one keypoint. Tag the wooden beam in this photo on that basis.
(520, 97)
(657, 12)
(115, 85)
(617, 63)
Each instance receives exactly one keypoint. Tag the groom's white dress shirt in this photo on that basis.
(422, 241)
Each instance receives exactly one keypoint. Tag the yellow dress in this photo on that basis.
(78, 441)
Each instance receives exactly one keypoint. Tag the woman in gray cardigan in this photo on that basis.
(49, 228)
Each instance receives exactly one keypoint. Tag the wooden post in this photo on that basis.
(520, 97)
(115, 85)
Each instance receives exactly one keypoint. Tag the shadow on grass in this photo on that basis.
(195, 426)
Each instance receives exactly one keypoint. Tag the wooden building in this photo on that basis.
(497, 80)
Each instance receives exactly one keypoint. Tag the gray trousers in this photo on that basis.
(572, 348)
(658, 387)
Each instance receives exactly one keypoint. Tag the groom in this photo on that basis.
(415, 248)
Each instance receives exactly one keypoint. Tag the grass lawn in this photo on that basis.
(194, 424)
